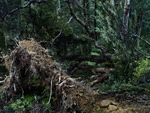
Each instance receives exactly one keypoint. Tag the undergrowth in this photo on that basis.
(142, 68)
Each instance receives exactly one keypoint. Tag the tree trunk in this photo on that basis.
(139, 26)
(95, 23)
(126, 17)
(112, 2)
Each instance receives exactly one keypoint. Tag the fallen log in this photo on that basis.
(31, 70)
(92, 58)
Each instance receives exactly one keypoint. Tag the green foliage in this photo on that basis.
(91, 63)
(142, 68)
(47, 22)
(3, 93)
(26, 104)
(48, 106)
(142, 7)
(20, 105)
(105, 26)
(35, 81)
(95, 53)
(118, 86)
(115, 85)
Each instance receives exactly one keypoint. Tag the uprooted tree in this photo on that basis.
(32, 69)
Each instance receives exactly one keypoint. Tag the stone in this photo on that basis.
(119, 111)
(112, 108)
(105, 103)
(114, 103)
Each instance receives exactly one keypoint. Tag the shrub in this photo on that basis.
(142, 68)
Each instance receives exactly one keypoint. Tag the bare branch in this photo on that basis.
(87, 28)
(147, 42)
(50, 95)
(69, 20)
(85, 25)
(59, 7)
(99, 46)
(3, 81)
(24, 6)
(57, 36)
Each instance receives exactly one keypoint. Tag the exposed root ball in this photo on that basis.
(32, 70)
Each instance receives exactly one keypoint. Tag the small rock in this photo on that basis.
(119, 111)
(112, 108)
(105, 103)
(114, 103)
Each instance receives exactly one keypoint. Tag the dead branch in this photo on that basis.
(99, 47)
(85, 25)
(24, 6)
(87, 28)
(147, 42)
(60, 31)
(3, 81)
(99, 80)
(93, 58)
(103, 70)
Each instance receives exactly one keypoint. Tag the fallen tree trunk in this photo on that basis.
(33, 70)
(93, 58)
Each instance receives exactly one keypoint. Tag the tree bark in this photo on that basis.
(126, 17)
(139, 26)
(92, 58)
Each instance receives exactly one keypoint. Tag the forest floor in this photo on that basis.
(118, 102)
(71, 95)
(124, 102)
(134, 100)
